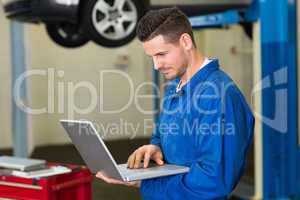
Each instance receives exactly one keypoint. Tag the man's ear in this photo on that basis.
(186, 41)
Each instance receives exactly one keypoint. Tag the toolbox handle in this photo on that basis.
(21, 185)
(71, 183)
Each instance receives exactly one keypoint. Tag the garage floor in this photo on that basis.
(120, 149)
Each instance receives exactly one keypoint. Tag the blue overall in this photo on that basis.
(206, 126)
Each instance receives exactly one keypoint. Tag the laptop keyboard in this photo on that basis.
(152, 167)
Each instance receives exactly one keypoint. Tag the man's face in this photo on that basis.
(169, 58)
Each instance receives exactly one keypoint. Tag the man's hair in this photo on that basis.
(171, 23)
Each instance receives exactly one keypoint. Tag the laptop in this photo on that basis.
(98, 158)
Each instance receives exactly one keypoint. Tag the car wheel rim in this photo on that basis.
(114, 20)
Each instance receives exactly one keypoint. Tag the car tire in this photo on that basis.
(66, 34)
(112, 23)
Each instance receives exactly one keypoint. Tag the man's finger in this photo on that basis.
(131, 160)
(109, 180)
(133, 184)
(158, 161)
(99, 175)
(138, 158)
(103, 177)
(146, 159)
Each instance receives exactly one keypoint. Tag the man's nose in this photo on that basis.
(157, 64)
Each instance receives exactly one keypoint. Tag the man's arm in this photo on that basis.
(155, 138)
(221, 157)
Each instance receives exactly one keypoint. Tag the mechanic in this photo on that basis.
(205, 122)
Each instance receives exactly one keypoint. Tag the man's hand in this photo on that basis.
(108, 180)
(145, 153)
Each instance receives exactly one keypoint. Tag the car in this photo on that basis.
(109, 23)
(72, 23)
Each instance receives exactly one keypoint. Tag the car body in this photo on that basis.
(72, 23)
(41, 10)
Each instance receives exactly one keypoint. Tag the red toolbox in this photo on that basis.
(76, 185)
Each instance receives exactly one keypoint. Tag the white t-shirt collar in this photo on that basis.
(206, 61)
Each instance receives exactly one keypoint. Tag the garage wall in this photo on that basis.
(5, 106)
(73, 67)
(83, 66)
(234, 50)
